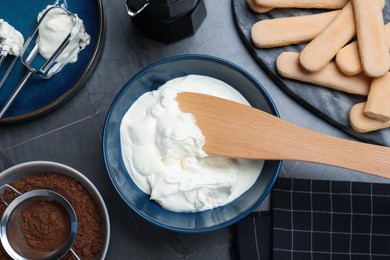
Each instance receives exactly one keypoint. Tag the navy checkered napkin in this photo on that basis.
(254, 236)
(316, 219)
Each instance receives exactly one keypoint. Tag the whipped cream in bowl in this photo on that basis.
(153, 151)
(162, 150)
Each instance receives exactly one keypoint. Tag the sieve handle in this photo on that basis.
(74, 253)
(4, 187)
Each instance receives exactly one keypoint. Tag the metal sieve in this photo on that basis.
(12, 220)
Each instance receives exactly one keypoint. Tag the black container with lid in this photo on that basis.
(167, 20)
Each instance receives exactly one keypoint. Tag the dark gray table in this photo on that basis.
(73, 134)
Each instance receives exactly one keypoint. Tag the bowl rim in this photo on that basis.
(81, 178)
(181, 57)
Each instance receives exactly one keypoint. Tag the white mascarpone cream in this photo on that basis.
(162, 150)
(11, 40)
(55, 27)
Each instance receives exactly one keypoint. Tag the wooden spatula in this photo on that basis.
(238, 131)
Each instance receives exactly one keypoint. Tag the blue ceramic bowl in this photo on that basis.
(150, 79)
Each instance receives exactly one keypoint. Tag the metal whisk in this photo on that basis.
(28, 58)
(7, 46)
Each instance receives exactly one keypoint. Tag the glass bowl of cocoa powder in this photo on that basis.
(93, 230)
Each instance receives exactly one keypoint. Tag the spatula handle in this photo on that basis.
(318, 148)
(291, 142)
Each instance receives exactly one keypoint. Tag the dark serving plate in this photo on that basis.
(41, 96)
(328, 104)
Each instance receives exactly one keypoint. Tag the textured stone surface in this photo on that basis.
(72, 134)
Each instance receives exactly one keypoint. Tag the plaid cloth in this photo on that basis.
(255, 236)
(316, 219)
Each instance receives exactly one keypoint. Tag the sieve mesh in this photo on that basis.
(18, 217)
(42, 245)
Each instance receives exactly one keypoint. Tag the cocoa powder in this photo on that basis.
(46, 225)
(89, 240)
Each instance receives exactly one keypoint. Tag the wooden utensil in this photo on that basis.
(239, 131)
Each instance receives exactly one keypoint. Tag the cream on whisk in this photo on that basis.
(55, 27)
(162, 150)
(11, 40)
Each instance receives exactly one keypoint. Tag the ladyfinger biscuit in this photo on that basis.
(323, 4)
(258, 8)
(284, 31)
(363, 124)
(373, 48)
(378, 105)
(321, 50)
(348, 58)
(330, 76)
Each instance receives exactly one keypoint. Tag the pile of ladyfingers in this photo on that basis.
(347, 50)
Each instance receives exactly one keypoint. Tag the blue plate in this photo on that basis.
(41, 96)
(150, 79)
